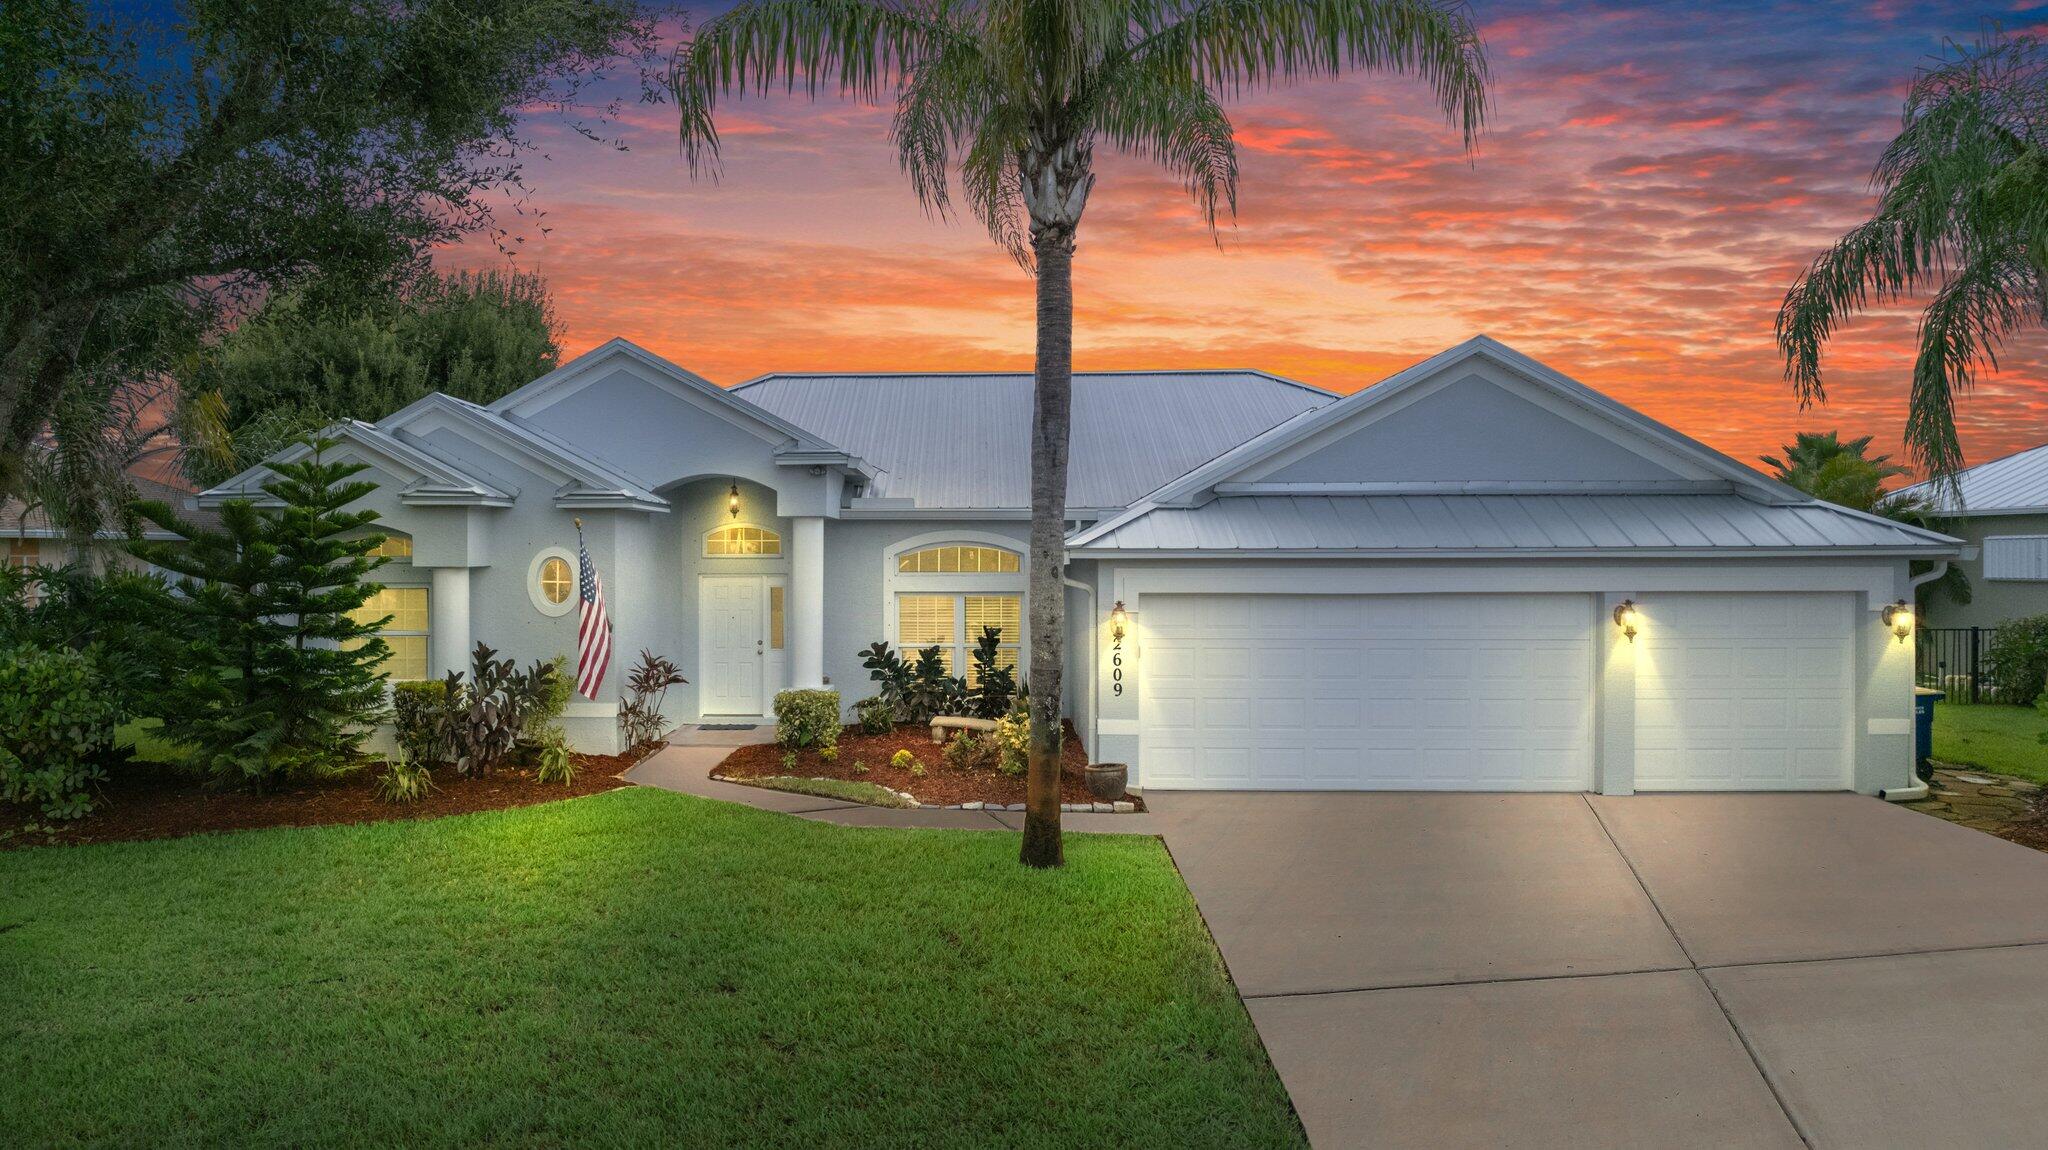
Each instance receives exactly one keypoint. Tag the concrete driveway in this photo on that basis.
(1677, 970)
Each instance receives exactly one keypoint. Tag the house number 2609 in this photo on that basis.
(1116, 666)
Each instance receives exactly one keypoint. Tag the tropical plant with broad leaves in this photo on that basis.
(1962, 211)
(1011, 98)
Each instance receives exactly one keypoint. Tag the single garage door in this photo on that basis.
(1337, 692)
(1745, 692)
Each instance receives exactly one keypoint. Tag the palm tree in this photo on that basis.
(1963, 210)
(1011, 97)
(1822, 465)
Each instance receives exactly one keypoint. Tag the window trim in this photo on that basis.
(426, 637)
(533, 590)
(704, 541)
(896, 584)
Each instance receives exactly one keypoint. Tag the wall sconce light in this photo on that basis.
(1899, 617)
(1119, 620)
(1625, 618)
(732, 499)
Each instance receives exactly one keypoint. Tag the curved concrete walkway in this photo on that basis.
(687, 768)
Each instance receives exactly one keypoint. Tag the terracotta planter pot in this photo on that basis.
(1106, 780)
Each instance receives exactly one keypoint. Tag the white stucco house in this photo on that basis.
(1414, 586)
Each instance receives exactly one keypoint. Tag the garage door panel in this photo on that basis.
(1439, 692)
(1745, 692)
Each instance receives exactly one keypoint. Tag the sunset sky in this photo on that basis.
(1653, 177)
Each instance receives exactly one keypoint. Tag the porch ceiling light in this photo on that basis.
(1119, 620)
(1899, 617)
(1625, 618)
(732, 499)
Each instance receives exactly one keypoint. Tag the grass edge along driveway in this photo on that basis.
(1993, 737)
(637, 967)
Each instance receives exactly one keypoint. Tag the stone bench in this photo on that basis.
(943, 723)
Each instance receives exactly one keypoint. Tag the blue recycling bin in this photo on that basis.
(1924, 699)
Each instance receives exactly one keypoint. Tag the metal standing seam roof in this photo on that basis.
(1506, 523)
(963, 440)
(2018, 482)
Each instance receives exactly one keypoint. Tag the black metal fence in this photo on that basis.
(1951, 659)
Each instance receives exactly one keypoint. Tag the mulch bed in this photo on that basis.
(941, 785)
(141, 803)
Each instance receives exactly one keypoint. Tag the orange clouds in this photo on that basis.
(1652, 182)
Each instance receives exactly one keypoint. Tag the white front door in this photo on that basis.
(732, 644)
(1363, 692)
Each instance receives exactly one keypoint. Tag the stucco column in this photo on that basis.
(448, 621)
(807, 601)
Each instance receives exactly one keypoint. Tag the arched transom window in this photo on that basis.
(737, 540)
(958, 559)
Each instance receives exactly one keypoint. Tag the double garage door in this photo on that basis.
(1490, 692)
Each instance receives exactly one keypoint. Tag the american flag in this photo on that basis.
(594, 627)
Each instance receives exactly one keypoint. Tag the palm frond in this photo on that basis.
(859, 47)
(989, 178)
(1981, 304)
(943, 104)
(1151, 110)
(1233, 45)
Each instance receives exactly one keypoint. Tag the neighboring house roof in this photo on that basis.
(20, 521)
(946, 440)
(2013, 485)
(1500, 524)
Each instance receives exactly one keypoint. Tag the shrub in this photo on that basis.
(789, 760)
(916, 769)
(807, 718)
(997, 683)
(829, 754)
(490, 712)
(888, 669)
(405, 780)
(877, 715)
(968, 751)
(859, 768)
(902, 760)
(640, 719)
(932, 690)
(544, 724)
(56, 729)
(2017, 659)
(555, 765)
(1012, 737)
(420, 720)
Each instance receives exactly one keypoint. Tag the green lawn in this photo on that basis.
(145, 735)
(1992, 737)
(853, 792)
(633, 968)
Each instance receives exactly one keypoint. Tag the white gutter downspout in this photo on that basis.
(1094, 748)
(1918, 790)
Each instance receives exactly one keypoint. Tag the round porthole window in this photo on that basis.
(551, 582)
